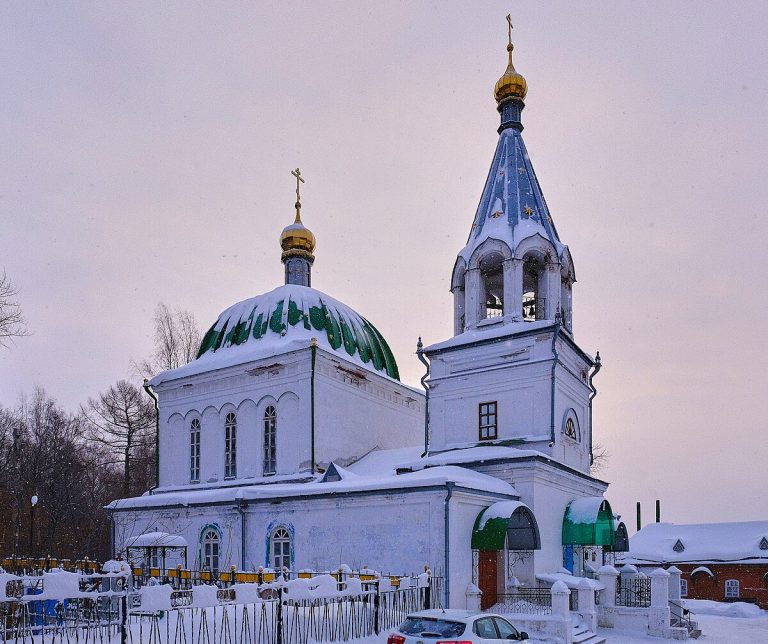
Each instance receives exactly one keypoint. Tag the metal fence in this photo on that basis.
(270, 617)
(528, 601)
(634, 592)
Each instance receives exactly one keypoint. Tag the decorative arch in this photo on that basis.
(506, 524)
(458, 288)
(489, 246)
(488, 259)
(571, 428)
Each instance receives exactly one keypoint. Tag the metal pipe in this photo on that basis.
(153, 396)
(424, 383)
(658, 511)
(313, 349)
(449, 485)
(241, 511)
(555, 358)
(639, 524)
(592, 394)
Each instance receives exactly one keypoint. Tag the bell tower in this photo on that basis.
(512, 374)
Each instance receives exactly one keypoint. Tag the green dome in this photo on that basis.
(287, 319)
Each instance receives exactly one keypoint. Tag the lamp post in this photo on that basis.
(33, 501)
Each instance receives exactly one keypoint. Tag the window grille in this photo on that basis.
(270, 437)
(194, 451)
(230, 446)
(488, 421)
(732, 588)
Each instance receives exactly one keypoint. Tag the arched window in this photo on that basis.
(270, 436)
(211, 549)
(732, 588)
(230, 446)
(492, 276)
(281, 549)
(194, 451)
(534, 306)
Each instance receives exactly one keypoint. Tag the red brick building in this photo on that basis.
(723, 562)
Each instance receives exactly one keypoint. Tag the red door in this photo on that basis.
(487, 575)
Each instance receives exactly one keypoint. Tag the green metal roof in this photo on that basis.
(297, 311)
(589, 522)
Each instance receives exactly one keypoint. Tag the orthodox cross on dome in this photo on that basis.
(509, 29)
(299, 180)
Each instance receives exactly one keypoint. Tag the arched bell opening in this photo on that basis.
(458, 288)
(492, 285)
(534, 303)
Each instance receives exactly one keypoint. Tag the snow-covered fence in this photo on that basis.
(61, 607)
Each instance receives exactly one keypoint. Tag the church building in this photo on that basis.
(290, 441)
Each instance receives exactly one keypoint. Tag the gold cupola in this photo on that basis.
(298, 244)
(511, 85)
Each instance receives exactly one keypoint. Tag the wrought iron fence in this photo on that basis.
(527, 601)
(270, 617)
(573, 600)
(634, 592)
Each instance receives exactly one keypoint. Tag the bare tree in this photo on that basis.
(176, 342)
(12, 323)
(122, 419)
(600, 457)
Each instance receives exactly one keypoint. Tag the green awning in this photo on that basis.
(589, 522)
(509, 524)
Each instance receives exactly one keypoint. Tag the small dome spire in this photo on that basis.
(297, 239)
(511, 85)
(298, 244)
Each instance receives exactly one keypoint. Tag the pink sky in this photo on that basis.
(146, 156)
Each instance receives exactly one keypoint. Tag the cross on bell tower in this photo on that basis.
(298, 244)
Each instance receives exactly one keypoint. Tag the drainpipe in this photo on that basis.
(593, 393)
(555, 358)
(313, 350)
(449, 486)
(153, 396)
(241, 511)
(424, 379)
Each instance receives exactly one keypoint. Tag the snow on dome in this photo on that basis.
(286, 319)
(156, 540)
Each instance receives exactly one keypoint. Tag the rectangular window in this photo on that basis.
(683, 588)
(732, 588)
(488, 421)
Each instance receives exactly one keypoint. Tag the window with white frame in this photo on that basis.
(194, 451)
(732, 588)
(488, 419)
(281, 549)
(270, 438)
(230, 446)
(683, 588)
(211, 549)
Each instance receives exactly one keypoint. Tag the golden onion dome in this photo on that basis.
(297, 238)
(511, 85)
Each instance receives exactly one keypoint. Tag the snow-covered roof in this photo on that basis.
(156, 540)
(703, 542)
(437, 476)
(488, 333)
(476, 454)
(283, 320)
(512, 206)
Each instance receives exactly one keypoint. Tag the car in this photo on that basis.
(454, 627)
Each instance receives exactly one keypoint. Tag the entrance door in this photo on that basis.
(568, 558)
(487, 577)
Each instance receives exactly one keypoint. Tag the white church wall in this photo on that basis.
(245, 390)
(357, 411)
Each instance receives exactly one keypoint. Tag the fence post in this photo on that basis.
(659, 614)
(608, 576)
(560, 601)
(376, 607)
(474, 595)
(587, 603)
(124, 616)
(428, 594)
(280, 615)
(675, 601)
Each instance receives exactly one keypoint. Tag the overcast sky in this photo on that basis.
(146, 150)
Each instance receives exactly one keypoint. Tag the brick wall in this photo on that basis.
(753, 586)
